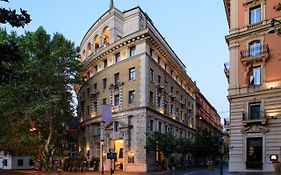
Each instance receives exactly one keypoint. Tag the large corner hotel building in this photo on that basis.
(129, 65)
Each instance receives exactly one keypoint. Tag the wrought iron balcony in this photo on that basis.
(259, 117)
(260, 53)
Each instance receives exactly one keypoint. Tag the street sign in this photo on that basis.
(111, 155)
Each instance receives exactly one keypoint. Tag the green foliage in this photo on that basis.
(40, 95)
(277, 7)
(168, 144)
(13, 18)
(206, 145)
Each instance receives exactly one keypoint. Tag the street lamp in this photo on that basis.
(272, 25)
(102, 167)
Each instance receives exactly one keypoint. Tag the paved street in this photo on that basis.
(193, 171)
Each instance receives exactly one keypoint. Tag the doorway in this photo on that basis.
(254, 153)
(119, 149)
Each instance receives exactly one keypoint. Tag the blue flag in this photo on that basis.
(106, 113)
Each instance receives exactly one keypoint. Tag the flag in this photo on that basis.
(106, 113)
(250, 70)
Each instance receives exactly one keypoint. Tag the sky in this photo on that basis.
(195, 30)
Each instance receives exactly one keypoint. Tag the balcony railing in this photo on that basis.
(255, 54)
(254, 117)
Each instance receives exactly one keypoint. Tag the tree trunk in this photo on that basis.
(48, 151)
(167, 158)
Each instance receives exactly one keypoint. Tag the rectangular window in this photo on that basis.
(116, 126)
(166, 129)
(104, 101)
(151, 123)
(159, 79)
(20, 162)
(95, 106)
(255, 15)
(160, 127)
(116, 80)
(132, 74)
(117, 57)
(150, 52)
(255, 78)
(105, 63)
(254, 111)
(116, 100)
(151, 74)
(95, 86)
(132, 51)
(159, 101)
(172, 73)
(96, 69)
(151, 98)
(5, 162)
(104, 83)
(132, 95)
(97, 131)
(159, 60)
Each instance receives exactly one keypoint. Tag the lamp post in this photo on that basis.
(272, 25)
(102, 167)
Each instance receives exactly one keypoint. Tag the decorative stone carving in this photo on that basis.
(254, 129)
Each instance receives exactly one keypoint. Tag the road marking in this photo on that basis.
(192, 172)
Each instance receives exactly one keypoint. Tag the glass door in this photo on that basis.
(254, 153)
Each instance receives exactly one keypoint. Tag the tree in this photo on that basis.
(168, 144)
(40, 98)
(206, 145)
(13, 18)
(278, 8)
(8, 48)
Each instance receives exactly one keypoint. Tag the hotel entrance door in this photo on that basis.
(254, 153)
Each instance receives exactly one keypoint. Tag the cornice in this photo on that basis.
(107, 49)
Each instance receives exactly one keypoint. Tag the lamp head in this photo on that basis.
(273, 157)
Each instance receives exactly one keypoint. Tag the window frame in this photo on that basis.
(151, 75)
(256, 77)
(251, 108)
(116, 100)
(117, 57)
(254, 48)
(105, 63)
(132, 97)
(132, 51)
(104, 83)
(253, 12)
(132, 73)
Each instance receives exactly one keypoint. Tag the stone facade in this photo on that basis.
(128, 65)
(254, 91)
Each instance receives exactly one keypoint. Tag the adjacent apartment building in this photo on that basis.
(254, 75)
(128, 65)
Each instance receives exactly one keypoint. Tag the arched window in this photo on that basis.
(89, 46)
(97, 41)
(105, 34)
(254, 48)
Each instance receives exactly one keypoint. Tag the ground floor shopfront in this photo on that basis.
(126, 136)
